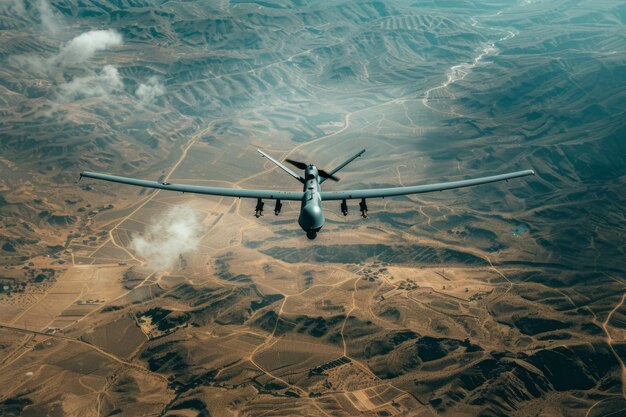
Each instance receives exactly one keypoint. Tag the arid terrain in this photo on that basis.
(500, 300)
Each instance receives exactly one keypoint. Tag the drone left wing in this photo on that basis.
(198, 189)
(418, 189)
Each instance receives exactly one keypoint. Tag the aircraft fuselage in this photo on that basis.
(311, 217)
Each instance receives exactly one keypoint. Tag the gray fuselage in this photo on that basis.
(311, 217)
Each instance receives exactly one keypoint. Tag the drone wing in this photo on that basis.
(418, 189)
(198, 189)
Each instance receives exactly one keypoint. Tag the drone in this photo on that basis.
(311, 218)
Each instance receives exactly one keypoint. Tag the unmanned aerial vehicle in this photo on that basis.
(311, 217)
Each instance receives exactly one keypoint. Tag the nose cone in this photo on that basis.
(311, 217)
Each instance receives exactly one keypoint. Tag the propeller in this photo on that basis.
(321, 172)
(326, 175)
(297, 164)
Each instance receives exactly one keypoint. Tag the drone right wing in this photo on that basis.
(418, 189)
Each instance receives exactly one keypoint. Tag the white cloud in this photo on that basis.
(176, 232)
(85, 45)
(102, 84)
(150, 90)
(76, 51)
(48, 18)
